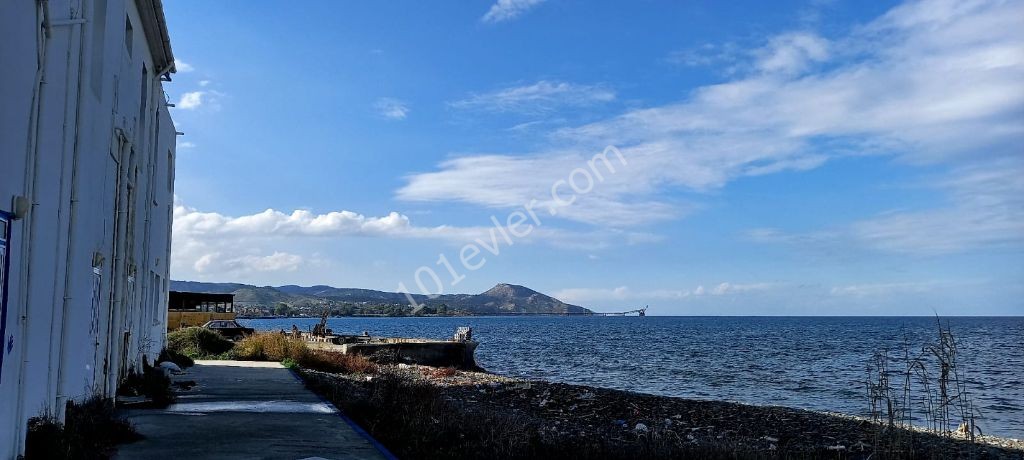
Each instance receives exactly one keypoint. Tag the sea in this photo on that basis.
(816, 363)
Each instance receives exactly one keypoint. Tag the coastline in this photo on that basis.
(426, 412)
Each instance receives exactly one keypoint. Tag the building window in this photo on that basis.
(145, 89)
(128, 35)
(170, 171)
(145, 95)
(99, 32)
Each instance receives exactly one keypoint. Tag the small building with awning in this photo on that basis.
(185, 309)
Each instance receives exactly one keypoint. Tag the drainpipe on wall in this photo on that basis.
(32, 163)
(61, 399)
(118, 267)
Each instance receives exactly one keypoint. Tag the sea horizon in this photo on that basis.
(822, 359)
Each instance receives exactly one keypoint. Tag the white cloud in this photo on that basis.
(583, 295)
(723, 56)
(542, 96)
(882, 289)
(204, 83)
(186, 145)
(190, 100)
(211, 244)
(624, 293)
(391, 108)
(182, 66)
(219, 263)
(792, 53)
(504, 10)
(986, 209)
(787, 54)
(931, 82)
(505, 181)
(189, 221)
(209, 100)
(873, 297)
(734, 288)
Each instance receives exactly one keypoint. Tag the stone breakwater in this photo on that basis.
(583, 421)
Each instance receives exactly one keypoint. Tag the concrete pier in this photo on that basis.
(245, 410)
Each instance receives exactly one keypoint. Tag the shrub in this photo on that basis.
(152, 383)
(273, 346)
(177, 358)
(45, 438)
(340, 363)
(197, 342)
(91, 430)
(270, 346)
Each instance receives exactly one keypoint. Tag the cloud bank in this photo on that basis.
(930, 83)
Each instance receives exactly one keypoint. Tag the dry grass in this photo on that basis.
(338, 363)
(197, 343)
(928, 384)
(439, 372)
(272, 346)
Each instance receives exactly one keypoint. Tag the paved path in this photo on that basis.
(245, 409)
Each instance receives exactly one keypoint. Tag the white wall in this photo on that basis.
(91, 144)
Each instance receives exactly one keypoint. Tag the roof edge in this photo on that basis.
(154, 25)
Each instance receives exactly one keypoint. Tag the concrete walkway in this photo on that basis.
(243, 410)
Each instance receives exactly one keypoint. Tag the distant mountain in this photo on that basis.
(511, 299)
(213, 288)
(502, 299)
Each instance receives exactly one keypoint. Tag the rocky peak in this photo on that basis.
(509, 291)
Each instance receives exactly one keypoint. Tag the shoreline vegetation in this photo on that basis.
(428, 412)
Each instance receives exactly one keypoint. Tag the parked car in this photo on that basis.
(229, 328)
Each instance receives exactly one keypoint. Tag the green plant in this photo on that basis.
(289, 363)
(179, 359)
(91, 429)
(197, 342)
(152, 383)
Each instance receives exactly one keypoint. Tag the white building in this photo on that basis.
(86, 195)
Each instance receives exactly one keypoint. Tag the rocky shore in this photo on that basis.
(424, 412)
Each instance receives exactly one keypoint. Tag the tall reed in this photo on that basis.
(930, 379)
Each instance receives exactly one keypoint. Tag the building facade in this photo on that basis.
(86, 198)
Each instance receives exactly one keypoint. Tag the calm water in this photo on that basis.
(811, 363)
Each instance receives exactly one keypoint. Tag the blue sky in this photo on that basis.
(783, 158)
